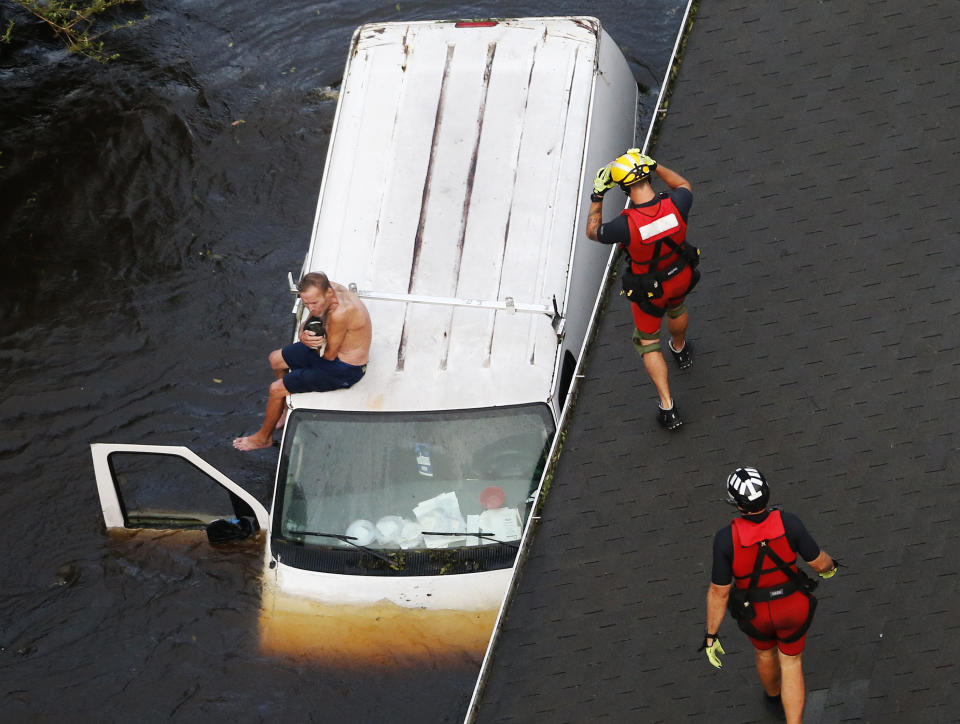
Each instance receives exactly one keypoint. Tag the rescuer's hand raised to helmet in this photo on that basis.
(603, 183)
(646, 160)
(630, 168)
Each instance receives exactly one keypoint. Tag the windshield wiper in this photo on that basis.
(478, 534)
(348, 539)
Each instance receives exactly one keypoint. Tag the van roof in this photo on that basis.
(454, 172)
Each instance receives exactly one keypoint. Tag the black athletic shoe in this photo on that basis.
(774, 706)
(684, 357)
(669, 419)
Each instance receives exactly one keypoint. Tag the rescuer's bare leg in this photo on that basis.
(792, 691)
(656, 367)
(768, 668)
(678, 331)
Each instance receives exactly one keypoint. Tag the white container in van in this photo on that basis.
(453, 201)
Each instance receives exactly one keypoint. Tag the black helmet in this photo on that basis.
(749, 489)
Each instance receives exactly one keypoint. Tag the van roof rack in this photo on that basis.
(507, 304)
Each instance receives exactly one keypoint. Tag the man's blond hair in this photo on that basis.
(314, 279)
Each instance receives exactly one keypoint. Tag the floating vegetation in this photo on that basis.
(73, 22)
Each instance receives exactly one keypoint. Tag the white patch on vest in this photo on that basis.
(660, 226)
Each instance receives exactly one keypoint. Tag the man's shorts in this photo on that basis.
(674, 292)
(781, 618)
(310, 372)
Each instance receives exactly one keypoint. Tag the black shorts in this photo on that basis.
(310, 372)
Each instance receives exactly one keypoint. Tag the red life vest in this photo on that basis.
(649, 227)
(747, 537)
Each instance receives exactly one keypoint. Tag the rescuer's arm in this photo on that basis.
(716, 606)
(601, 184)
(803, 543)
(672, 178)
(594, 218)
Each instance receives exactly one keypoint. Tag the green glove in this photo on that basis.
(603, 183)
(713, 653)
(713, 650)
(644, 159)
(832, 572)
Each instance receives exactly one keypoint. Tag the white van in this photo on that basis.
(453, 200)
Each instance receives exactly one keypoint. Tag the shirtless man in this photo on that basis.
(317, 364)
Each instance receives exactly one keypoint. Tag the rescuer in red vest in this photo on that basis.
(755, 575)
(662, 265)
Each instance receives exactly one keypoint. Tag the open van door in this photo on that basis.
(167, 487)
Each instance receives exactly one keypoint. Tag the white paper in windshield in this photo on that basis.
(503, 524)
(441, 514)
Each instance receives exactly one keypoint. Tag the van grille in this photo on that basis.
(433, 562)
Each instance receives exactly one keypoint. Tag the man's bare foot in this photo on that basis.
(282, 421)
(251, 442)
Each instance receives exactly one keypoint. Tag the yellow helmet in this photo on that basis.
(630, 168)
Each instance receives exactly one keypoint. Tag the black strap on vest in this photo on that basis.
(687, 254)
(674, 269)
(640, 288)
(797, 581)
(636, 286)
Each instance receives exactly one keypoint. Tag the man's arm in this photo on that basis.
(672, 178)
(716, 607)
(601, 184)
(594, 218)
(338, 323)
(822, 563)
(803, 543)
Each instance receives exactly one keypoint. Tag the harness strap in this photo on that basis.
(759, 595)
(674, 269)
(798, 581)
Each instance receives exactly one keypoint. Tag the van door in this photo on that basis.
(166, 487)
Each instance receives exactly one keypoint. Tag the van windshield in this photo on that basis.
(409, 481)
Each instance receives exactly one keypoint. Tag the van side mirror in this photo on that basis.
(227, 530)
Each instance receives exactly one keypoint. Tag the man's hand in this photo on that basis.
(314, 341)
(832, 572)
(644, 159)
(603, 183)
(713, 651)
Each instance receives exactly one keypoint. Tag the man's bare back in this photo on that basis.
(348, 328)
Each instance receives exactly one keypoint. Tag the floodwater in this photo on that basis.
(151, 209)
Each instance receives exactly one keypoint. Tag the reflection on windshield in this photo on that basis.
(380, 480)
